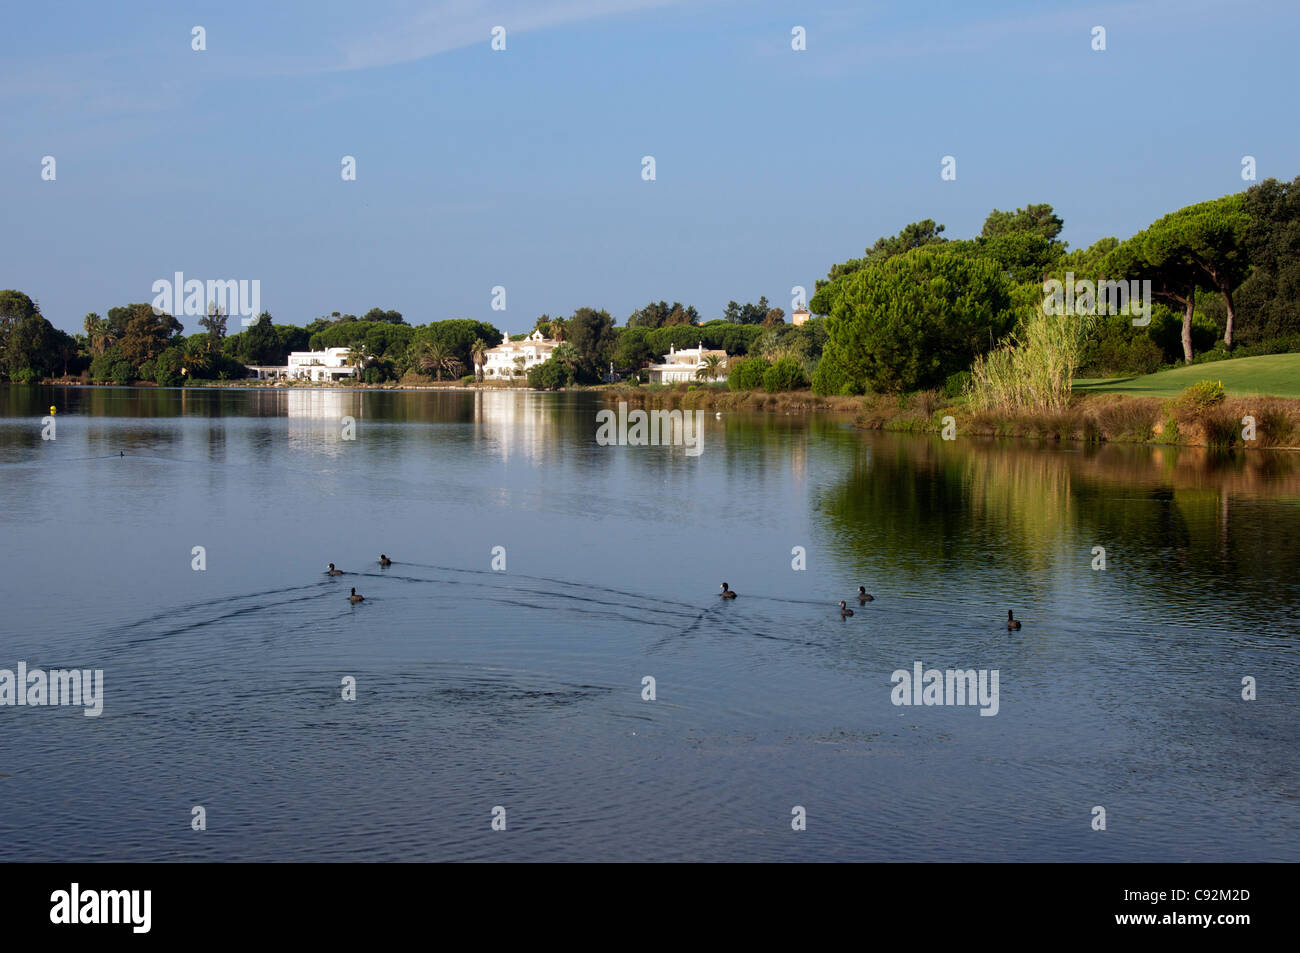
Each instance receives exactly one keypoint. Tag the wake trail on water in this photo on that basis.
(587, 605)
(563, 582)
(170, 613)
(223, 617)
(608, 604)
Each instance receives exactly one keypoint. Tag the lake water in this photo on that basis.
(522, 688)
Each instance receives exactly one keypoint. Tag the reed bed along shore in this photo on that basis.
(1240, 422)
(1086, 417)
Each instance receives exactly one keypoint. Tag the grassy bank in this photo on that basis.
(1275, 375)
(1095, 418)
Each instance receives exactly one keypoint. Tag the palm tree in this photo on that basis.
(565, 353)
(711, 367)
(557, 328)
(358, 358)
(478, 354)
(437, 357)
(99, 334)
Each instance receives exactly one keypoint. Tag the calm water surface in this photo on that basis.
(523, 688)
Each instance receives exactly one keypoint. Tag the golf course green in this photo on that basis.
(1277, 375)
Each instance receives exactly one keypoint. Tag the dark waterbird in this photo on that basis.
(863, 595)
(331, 571)
(727, 593)
(354, 598)
(1012, 624)
(384, 560)
(845, 611)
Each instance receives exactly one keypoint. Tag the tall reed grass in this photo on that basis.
(1034, 369)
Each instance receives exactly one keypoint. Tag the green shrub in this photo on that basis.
(831, 380)
(1217, 353)
(101, 367)
(1286, 344)
(1198, 398)
(166, 370)
(25, 376)
(1169, 432)
(785, 373)
(550, 375)
(746, 373)
(956, 384)
(122, 372)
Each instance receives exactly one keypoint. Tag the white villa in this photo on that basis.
(327, 365)
(681, 365)
(499, 362)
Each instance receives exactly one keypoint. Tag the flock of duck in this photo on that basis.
(1013, 624)
(355, 597)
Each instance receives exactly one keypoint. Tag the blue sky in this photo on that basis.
(522, 168)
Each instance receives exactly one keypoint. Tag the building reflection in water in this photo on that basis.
(516, 423)
(315, 417)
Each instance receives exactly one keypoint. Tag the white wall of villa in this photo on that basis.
(499, 362)
(683, 365)
(330, 364)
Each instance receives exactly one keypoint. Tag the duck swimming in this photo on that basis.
(354, 598)
(331, 571)
(864, 596)
(384, 560)
(727, 593)
(1012, 624)
(845, 611)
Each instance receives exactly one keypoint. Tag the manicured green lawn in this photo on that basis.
(1277, 375)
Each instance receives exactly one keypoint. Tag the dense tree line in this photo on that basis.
(914, 311)
(918, 307)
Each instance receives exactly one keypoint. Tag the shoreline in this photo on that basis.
(1089, 419)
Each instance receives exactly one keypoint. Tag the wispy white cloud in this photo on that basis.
(453, 24)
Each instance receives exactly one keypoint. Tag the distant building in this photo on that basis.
(800, 317)
(327, 365)
(499, 362)
(682, 365)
